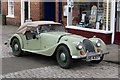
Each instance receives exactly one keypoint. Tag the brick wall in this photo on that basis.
(4, 8)
(56, 11)
(17, 15)
(36, 11)
(64, 19)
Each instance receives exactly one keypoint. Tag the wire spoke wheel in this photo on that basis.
(63, 57)
(16, 48)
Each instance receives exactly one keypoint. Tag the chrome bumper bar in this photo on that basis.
(89, 55)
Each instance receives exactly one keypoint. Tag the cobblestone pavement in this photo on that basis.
(37, 66)
(6, 51)
(103, 70)
(5, 35)
(113, 53)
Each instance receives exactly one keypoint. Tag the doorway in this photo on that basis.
(49, 11)
(26, 10)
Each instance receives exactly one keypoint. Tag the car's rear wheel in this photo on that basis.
(16, 47)
(63, 57)
(97, 61)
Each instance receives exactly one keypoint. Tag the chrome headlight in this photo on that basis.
(79, 46)
(98, 43)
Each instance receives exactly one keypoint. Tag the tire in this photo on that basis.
(16, 48)
(97, 61)
(63, 57)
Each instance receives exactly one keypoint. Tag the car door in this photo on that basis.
(47, 39)
(32, 41)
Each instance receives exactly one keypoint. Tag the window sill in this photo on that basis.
(88, 29)
(10, 16)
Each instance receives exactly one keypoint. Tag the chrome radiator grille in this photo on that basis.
(88, 45)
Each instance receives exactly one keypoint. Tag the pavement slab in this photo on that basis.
(114, 52)
(84, 71)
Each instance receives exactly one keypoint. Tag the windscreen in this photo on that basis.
(52, 28)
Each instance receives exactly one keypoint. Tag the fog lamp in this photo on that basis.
(98, 50)
(82, 53)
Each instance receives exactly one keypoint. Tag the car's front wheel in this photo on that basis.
(63, 57)
(98, 61)
(16, 47)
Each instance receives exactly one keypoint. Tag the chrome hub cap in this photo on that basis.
(63, 56)
(16, 47)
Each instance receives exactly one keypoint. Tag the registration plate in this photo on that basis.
(95, 57)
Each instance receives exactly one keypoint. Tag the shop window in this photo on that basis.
(118, 17)
(118, 23)
(88, 15)
(10, 8)
(118, 5)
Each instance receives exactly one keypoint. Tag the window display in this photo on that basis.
(88, 15)
(118, 17)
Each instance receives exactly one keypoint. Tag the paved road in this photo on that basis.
(37, 66)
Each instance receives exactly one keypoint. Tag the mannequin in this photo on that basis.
(93, 15)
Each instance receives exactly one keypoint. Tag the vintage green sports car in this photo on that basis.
(50, 38)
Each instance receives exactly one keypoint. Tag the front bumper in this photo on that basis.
(89, 55)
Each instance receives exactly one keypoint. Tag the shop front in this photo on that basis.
(117, 32)
(92, 18)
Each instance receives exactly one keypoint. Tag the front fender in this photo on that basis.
(71, 47)
(103, 45)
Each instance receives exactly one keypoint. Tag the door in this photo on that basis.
(26, 10)
(49, 11)
(32, 43)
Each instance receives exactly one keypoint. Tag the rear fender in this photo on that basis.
(18, 37)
